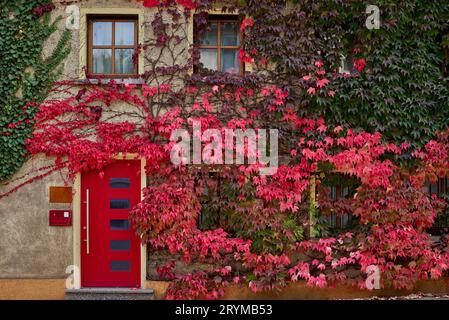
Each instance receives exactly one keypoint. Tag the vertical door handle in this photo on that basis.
(87, 222)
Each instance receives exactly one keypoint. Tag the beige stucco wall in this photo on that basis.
(29, 247)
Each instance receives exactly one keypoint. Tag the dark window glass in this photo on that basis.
(230, 34)
(120, 245)
(119, 183)
(119, 204)
(119, 224)
(229, 61)
(120, 266)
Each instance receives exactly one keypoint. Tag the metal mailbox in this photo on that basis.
(60, 218)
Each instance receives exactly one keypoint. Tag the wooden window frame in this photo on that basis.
(220, 20)
(90, 47)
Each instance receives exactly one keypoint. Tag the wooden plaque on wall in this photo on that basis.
(60, 195)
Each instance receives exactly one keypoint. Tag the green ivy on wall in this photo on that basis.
(26, 75)
(404, 90)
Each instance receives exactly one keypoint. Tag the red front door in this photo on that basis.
(110, 250)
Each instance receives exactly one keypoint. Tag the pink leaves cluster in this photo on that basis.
(167, 219)
(90, 142)
(317, 81)
(359, 64)
(247, 22)
(243, 56)
(287, 186)
(198, 285)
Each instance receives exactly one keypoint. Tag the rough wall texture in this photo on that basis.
(29, 247)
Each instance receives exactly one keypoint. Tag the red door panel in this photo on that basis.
(110, 250)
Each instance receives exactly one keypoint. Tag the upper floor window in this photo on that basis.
(112, 42)
(347, 65)
(219, 44)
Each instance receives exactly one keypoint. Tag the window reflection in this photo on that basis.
(124, 33)
(229, 60)
(209, 58)
(102, 33)
(209, 36)
(230, 34)
(102, 61)
(124, 61)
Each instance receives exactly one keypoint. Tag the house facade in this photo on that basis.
(62, 237)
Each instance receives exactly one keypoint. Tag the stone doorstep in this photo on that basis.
(109, 294)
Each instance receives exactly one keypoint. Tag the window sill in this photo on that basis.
(105, 81)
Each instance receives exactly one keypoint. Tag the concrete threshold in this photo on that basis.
(109, 294)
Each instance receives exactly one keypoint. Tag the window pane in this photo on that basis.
(347, 65)
(119, 204)
(209, 58)
(119, 183)
(124, 33)
(102, 61)
(230, 34)
(102, 33)
(120, 245)
(124, 61)
(344, 220)
(119, 224)
(209, 36)
(229, 60)
(120, 266)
